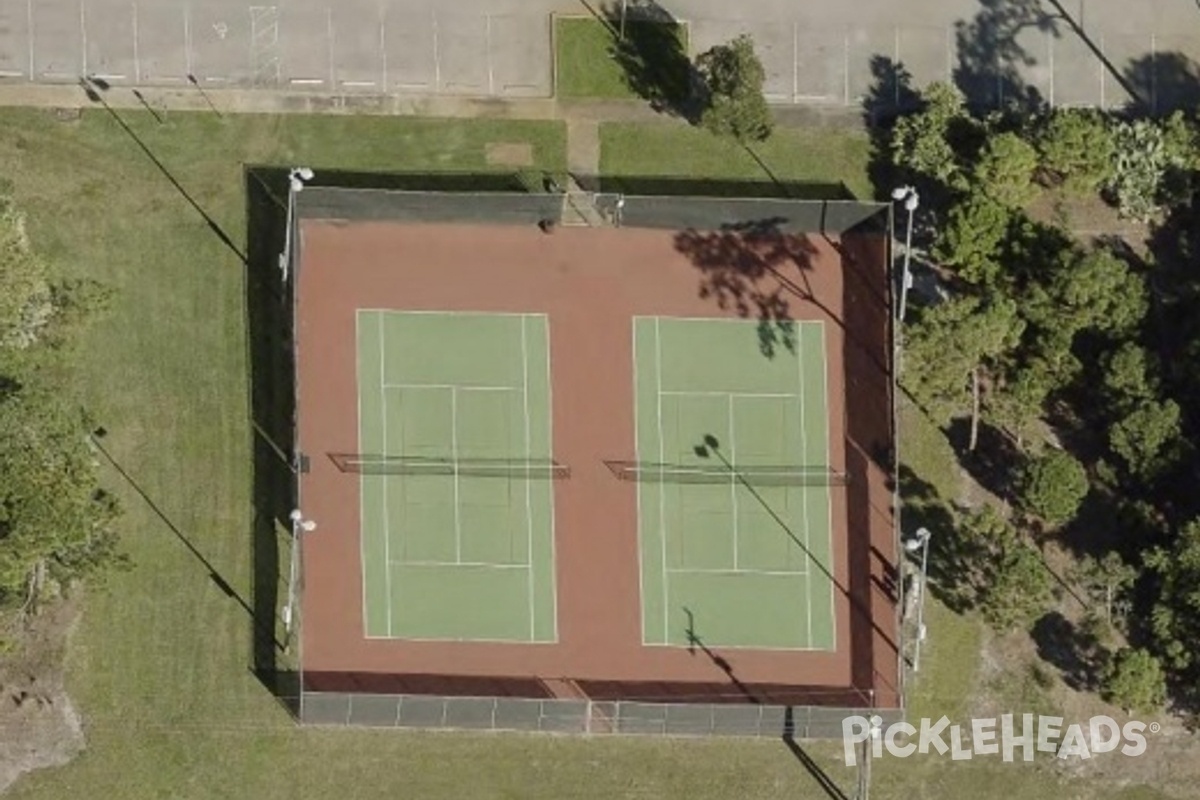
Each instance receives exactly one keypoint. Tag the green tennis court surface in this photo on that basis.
(729, 561)
(462, 552)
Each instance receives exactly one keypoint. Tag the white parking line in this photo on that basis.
(137, 63)
(83, 37)
(307, 81)
(329, 25)
(187, 39)
(358, 84)
(383, 46)
(29, 16)
(437, 62)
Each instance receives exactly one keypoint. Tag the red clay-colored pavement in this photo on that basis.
(591, 281)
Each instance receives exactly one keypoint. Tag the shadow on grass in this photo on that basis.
(272, 414)
(826, 783)
(650, 46)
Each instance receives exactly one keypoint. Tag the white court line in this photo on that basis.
(733, 484)
(454, 461)
(110, 76)
(828, 492)
(637, 454)
(458, 386)
(387, 528)
(804, 491)
(306, 81)
(779, 395)
(359, 84)
(739, 571)
(362, 487)
(662, 496)
(528, 498)
(11, 73)
(472, 564)
(332, 58)
(550, 447)
(456, 313)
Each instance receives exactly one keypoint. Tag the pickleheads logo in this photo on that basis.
(988, 737)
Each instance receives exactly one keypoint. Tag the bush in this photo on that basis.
(1053, 486)
(1133, 679)
(1005, 170)
(1140, 162)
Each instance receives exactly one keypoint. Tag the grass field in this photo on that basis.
(584, 62)
(815, 155)
(160, 665)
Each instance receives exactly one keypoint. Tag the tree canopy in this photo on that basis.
(735, 105)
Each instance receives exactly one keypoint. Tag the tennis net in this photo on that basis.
(519, 468)
(753, 474)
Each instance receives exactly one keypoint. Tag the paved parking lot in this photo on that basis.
(353, 45)
(1072, 52)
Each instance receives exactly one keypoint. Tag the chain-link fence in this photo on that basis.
(579, 716)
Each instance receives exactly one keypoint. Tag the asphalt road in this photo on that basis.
(1070, 52)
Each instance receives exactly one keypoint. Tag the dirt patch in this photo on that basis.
(509, 154)
(39, 727)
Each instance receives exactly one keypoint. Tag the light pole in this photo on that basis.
(908, 195)
(299, 525)
(920, 542)
(297, 177)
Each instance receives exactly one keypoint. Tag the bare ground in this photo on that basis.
(38, 725)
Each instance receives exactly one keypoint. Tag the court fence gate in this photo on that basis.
(568, 716)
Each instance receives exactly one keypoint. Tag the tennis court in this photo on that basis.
(734, 485)
(456, 476)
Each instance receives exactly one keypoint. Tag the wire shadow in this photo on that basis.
(711, 445)
(696, 643)
(213, 574)
(90, 87)
(827, 784)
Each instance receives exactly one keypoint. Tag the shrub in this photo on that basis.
(1053, 486)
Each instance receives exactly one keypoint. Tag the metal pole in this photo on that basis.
(906, 279)
(285, 259)
(921, 599)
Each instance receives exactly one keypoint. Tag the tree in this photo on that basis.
(1175, 616)
(735, 105)
(1076, 148)
(1104, 580)
(924, 142)
(1099, 291)
(1053, 486)
(950, 343)
(1004, 171)
(26, 302)
(969, 241)
(1133, 679)
(1127, 378)
(1012, 584)
(55, 522)
(1018, 396)
(1142, 438)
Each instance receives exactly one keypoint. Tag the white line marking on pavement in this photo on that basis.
(29, 13)
(187, 39)
(83, 38)
(137, 64)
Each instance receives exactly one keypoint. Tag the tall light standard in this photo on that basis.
(920, 542)
(299, 525)
(907, 195)
(297, 177)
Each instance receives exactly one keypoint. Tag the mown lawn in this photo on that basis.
(585, 61)
(160, 666)
(801, 156)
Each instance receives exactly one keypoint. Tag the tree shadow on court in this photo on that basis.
(744, 267)
(269, 355)
(652, 53)
(990, 54)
